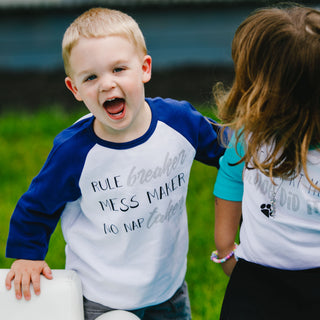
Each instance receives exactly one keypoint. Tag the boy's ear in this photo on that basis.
(72, 87)
(146, 68)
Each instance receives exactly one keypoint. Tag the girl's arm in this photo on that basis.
(228, 191)
(227, 220)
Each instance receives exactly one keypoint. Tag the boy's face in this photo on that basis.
(108, 75)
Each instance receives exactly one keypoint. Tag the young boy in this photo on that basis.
(118, 179)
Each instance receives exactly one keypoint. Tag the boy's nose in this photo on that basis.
(107, 82)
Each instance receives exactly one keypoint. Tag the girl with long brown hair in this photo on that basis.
(270, 173)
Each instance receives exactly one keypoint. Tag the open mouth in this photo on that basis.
(115, 108)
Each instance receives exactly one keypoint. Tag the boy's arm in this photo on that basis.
(228, 203)
(211, 143)
(36, 216)
(23, 272)
(201, 132)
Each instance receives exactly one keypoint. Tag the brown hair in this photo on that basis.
(101, 22)
(275, 97)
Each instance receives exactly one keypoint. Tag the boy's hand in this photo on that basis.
(23, 272)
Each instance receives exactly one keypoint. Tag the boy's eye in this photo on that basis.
(90, 78)
(119, 69)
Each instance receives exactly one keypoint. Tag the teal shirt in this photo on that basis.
(229, 183)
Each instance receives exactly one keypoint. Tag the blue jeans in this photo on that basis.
(176, 308)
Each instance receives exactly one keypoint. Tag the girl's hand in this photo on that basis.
(228, 266)
(24, 272)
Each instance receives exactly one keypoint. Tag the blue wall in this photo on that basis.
(32, 40)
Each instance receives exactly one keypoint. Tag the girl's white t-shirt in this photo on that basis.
(289, 238)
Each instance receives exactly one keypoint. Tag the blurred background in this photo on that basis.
(189, 41)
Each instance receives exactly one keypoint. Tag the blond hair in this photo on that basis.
(275, 97)
(101, 22)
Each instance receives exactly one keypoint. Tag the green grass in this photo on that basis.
(25, 141)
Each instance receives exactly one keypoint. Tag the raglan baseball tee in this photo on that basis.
(122, 205)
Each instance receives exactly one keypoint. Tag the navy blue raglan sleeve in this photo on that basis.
(208, 143)
(39, 209)
(203, 133)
